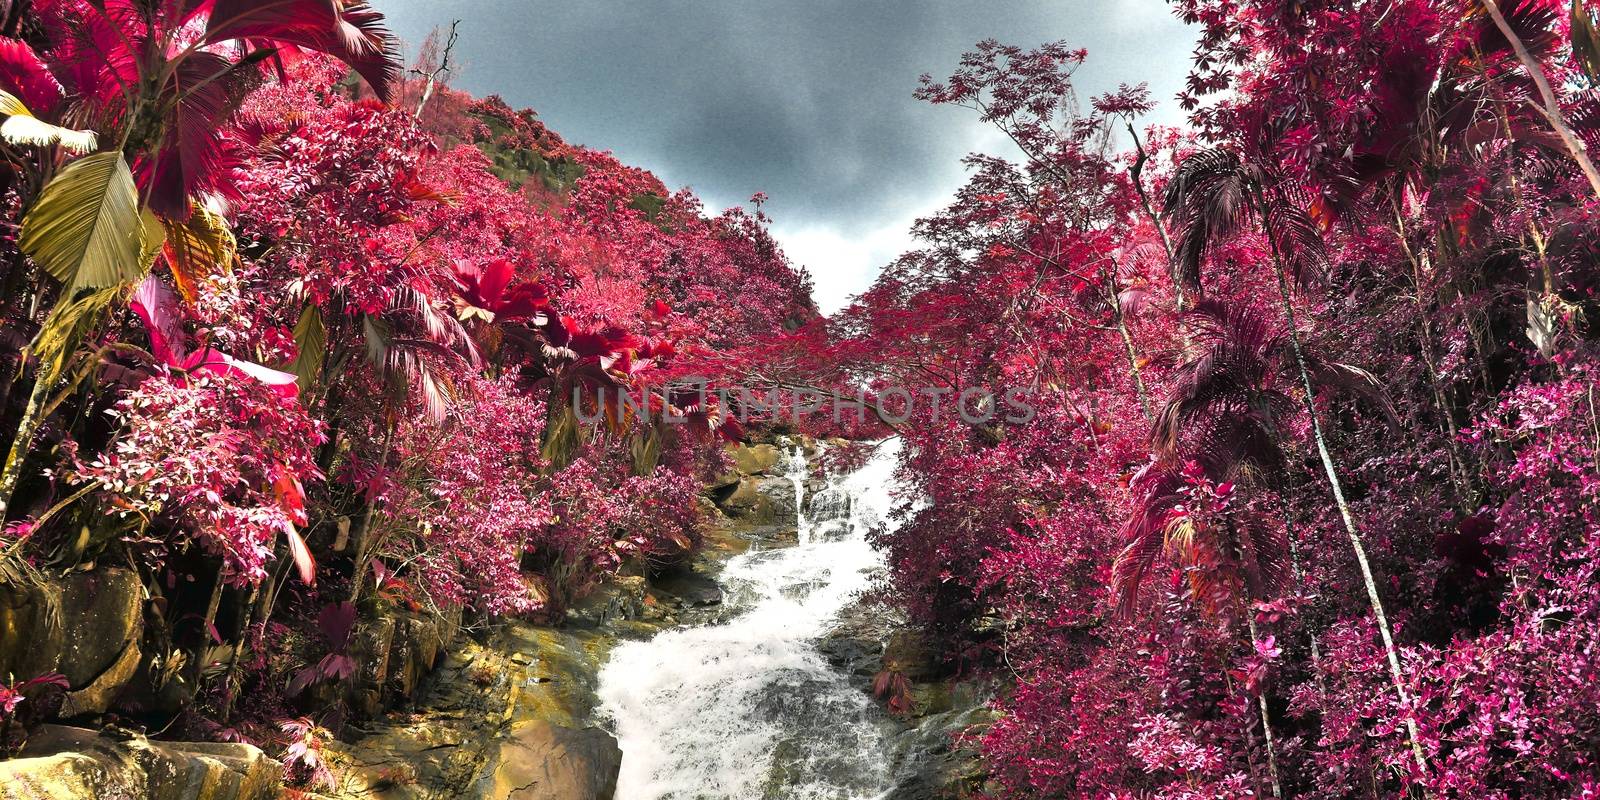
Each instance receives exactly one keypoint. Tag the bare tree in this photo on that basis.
(441, 68)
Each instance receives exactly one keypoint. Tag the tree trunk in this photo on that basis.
(1266, 718)
(1156, 219)
(1300, 579)
(363, 544)
(1552, 107)
(1349, 520)
(1133, 355)
(1460, 471)
(1249, 615)
(443, 67)
(238, 648)
(23, 444)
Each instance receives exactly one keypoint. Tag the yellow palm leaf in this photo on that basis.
(22, 127)
(311, 340)
(199, 249)
(85, 229)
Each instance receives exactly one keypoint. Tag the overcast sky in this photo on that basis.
(806, 100)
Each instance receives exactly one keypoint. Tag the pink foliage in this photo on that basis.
(207, 453)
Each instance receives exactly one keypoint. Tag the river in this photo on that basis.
(747, 708)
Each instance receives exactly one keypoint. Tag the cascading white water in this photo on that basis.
(749, 709)
(798, 471)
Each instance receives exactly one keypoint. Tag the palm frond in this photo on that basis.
(1209, 197)
(199, 249)
(84, 228)
(311, 342)
(1144, 535)
(203, 93)
(403, 363)
(1298, 241)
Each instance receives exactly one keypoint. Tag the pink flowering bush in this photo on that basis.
(218, 457)
(469, 522)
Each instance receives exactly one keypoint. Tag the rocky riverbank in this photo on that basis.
(512, 715)
(504, 713)
(888, 659)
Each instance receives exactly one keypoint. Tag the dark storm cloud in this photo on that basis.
(807, 100)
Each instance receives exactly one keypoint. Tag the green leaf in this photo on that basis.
(1585, 41)
(311, 340)
(85, 228)
(21, 127)
(646, 447)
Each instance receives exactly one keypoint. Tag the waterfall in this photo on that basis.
(748, 708)
(798, 471)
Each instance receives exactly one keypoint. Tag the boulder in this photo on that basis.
(749, 460)
(62, 763)
(744, 501)
(418, 642)
(31, 637)
(541, 761)
(97, 697)
(759, 500)
(394, 652)
(374, 643)
(101, 620)
(689, 589)
(756, 459)
(86, 626)
(780, 496)
(620, 597)
(908, 653)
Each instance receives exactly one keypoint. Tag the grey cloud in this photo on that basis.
(809, 101)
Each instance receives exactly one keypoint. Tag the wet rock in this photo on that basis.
(621, 597)
(62, 763)
(689, 589)
(855, 645)
(744, 501)
(907, 652)
(468, 715)
(749, 460)
(777, 534)
(852, 655)
(870, 638)
(780, 496)
(935, 767)
(758, 500)
(541, 761)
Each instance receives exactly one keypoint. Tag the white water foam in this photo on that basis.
(749, 709)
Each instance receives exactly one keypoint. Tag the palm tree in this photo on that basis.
(1212, 195)
(1181, 510)
(161, 80)
(405, 347)
(1221, 422)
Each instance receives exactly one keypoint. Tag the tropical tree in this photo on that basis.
(1211, 197)
(162, 80)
